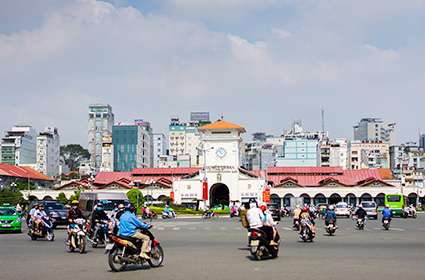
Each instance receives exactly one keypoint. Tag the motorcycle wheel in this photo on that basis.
(157, 256)
(82, 245)
(259, 253)
(33, 237)
(113, 260)
(50, 236)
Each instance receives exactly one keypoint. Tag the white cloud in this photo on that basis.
(155, 66)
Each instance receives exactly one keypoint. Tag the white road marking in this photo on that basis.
(397, 229)
(287, 228)
(160, 228)
(176, 228)
(192, 228)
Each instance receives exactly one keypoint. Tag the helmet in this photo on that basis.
(387, 206)
(360, 206)
(306, 209)
(331, 207)
(74, 202)
(263, 207)
(121, 206)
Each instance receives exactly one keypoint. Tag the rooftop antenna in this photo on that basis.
(323, 120)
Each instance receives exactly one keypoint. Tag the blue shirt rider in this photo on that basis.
(128, 227)
(387, 213)
(330, 215)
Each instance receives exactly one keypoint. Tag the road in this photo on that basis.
(216, 249)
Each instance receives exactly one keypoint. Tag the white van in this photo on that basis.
(109, 200)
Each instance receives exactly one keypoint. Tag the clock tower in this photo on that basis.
(221, 142)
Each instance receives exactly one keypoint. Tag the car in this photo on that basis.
(371, 209)
(55, 210)
(343, 209)
(275, 210)
(10, 220)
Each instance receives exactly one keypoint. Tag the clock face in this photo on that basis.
(221, 152)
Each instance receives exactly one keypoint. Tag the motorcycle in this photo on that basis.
(306, 233)
(260, 247)
(168, 215)
(296, 225)
(151, 215)
(234, 212)
(100, 233)
(409, 212)
(360, 224)
(77, 240)
(44, 230)
(126, 250)
(331, 228)
(386, 223)
(208, 214)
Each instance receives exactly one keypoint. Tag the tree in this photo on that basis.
(73, 154)
(9, 196)
(136, 197)
(62, 198)
(75, 196)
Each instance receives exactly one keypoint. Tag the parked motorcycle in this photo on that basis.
(360, 224)
(409, 212)
(331, 228)
(100, 233)
(168, 215)
(386, 223)
(260, 247)
(126, 250)
(43, 230)
(306, 233)
(77, 240)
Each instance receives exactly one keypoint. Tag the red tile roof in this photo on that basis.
(22, 172)
(311, 179)
(145, 176)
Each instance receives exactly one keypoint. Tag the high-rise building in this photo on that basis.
(133, 146)
(48, 152)
(422, 141)
(19, 146)
(200, 117)
(101, 120)
(159, 147)
(374, 129)
(107, 154)
(369, 154)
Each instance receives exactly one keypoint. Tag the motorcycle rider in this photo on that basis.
(39, 215)
(330, 215)
(360, 213)
(305, 214)
(97, 217)
(269, 225)
(297, 212)
(387, 214)
(254, 216)
(128, 226)
(168, 211)
(30, 216)
(73, 214)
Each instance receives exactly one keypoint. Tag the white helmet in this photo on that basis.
(331, 207)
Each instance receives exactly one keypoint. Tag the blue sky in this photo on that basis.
(260, 63)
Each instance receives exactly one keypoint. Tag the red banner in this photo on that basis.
(205, 190)
(172, 195)
(266, 195)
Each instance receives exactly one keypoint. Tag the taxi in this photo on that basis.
(10, 220)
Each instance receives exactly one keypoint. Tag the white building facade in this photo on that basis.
(48, 152)
(107, 154)
(159, 148)
(19, 146)
(374, 129)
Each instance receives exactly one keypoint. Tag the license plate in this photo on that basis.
(5, 225)
(109, 246)
(255, 243)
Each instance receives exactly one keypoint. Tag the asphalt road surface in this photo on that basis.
(216, 249)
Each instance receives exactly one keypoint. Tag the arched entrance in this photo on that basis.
(334, 198)
(219, 195)
(47, 198)
(350, 199)
(287, 200)
(366, 197)
(379, 199)
(319, 198)
(275, 199)
(412, 198)
(306, 199)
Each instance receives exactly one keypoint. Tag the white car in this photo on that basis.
(343, 209)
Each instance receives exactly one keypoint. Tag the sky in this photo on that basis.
(259, 63)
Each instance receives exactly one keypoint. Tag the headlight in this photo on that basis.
(54, 214)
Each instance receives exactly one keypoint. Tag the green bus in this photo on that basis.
(396, 202)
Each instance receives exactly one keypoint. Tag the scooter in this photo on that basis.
(126, 250)
(331, 228)
(386, 223)
(260, 247)
(168, 215)
(306, 233)
(44, 230)
(360, 224)
(409, 212)
(77, 238)
(100, 234)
